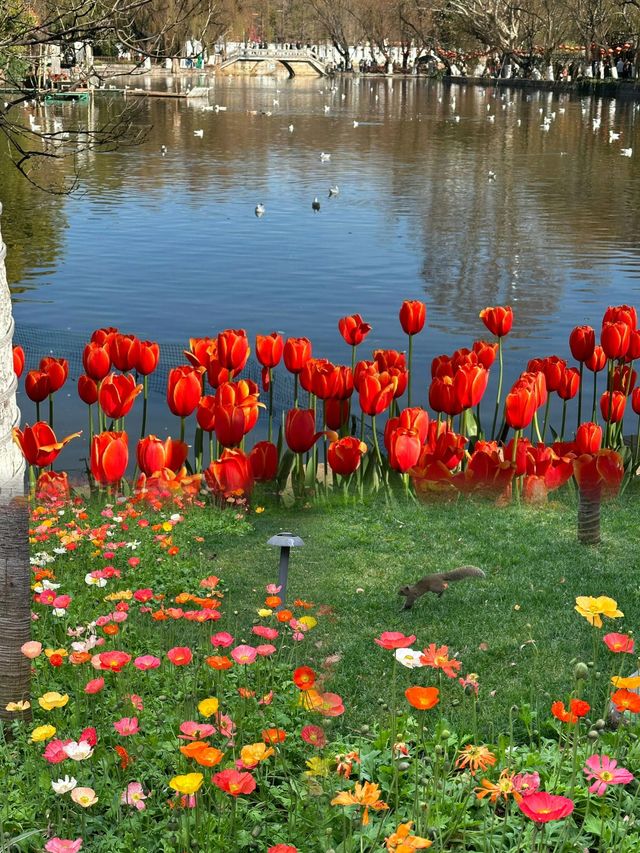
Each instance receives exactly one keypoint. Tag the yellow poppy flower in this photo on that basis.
(593, 608)
(52, 700)
(208, 706)
(42, 733)
(631, 683)
(309, 621)
(18, 707)
(254, 753)
(187, 784)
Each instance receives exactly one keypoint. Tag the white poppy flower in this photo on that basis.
(78, 751)
(409, 658)
(63, 786)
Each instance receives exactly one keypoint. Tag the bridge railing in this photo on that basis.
(267, 53)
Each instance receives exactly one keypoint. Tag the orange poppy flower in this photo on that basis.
(502, 789)
(219, 662)
(626, 700)
(365, 795)
(438, 658)
(422, 698)
(273, 735)
(284, 615)
(272, 601)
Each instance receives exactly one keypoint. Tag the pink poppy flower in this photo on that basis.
(221, 640)
(101, 621)
(146, 662)
(542, 807)
(526, 783)
(265, 632)
(265, 650)
(54, 751)
(127, 726)
(226, 726)
(94, 686)
(619, 643)
(244, 654)
(196, 731)
(134, 562)
(62, 601)
(314, 735)
(119, 616)
(272, 589)
(180, 655)
(143, 595)
(134, 796)
(63, 845)
(90, 735)
(604, 771)
(31, 649)
(394, 640)
(135, 700)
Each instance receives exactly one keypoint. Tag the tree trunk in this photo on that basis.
(588, 519)
(15, 593)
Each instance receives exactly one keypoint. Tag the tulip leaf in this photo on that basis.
(310, 473)
(284, 470)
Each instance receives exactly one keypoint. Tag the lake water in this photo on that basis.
(169, 247)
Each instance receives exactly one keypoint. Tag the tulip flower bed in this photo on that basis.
(178, 704)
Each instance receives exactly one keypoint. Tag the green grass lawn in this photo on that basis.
(517, 629)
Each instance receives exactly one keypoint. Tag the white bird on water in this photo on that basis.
(260, 210)
(315, 205)
(335, 190)
(220, 109)
(492, 175)
(327, 108)
(626, 152)
(324, 157)
(163, 150)
(356, 123)
(491, 118)
(199, 133)
(290, 128)
(613, 136)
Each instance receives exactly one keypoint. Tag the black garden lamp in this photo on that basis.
(285, 541)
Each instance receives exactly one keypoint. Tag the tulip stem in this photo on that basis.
(637, 447)
(270, 427)
(610, 387)
(499, 394)
(410, 363)
(353, 359)
(595, 396)
(478, 422)
(580, 395)
(564, 419)
(181, 429)
(211, 456)
(90, 427)
(514, 456)
(51, 410)
(546, 416)
(295, 391)
(536, 425)
(37, 411)
(145, 394)
(375, 442)
(198, 450)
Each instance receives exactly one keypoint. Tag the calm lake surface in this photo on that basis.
(169, 247)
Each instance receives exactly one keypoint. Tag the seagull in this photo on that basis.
(260, 210)
(519, 122)
(276, 102)
(327, 108)
(324, 157)
(561, 110)
(356, 123)
(290, 128)
(626, 152)
(220, 109)
(613, 136)
(163, 150)
(315, 204)
(492, 175)
(199, 133)
(491, 118)
(334, 190)
(456, 119)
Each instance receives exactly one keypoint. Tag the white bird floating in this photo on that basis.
(315, 205)
(260, 210)
(519, 122)
(327, 108)
(492, 175)
(199, 133)
(276, 102)
(290, 128)
(596, 123)
(335, 190)
(356, 123)
(561, 110)
(626, 152)
(324, 157)
(163, 150)
(491, 118)
(220, 109)
(613, 136)
(456, 119)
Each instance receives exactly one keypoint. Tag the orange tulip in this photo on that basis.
(413, 315)
(153, 454)
(520, 404)
(570, 383)
(230, 475)
(233, 349)
(621, 313)
(297, 352)
(184, 389)
(404, 448)
(109, 457)
(206, 414)
(18, 360)
(615, 339)
(353, 329)
(376, 392)
(264, 461)
(597, 361)
(469, 384)
(612, 406)
(103, 336)
(588, 438)
(486, 352)
(201, 351)
(39, 444)
(117, 394)
(554, 369)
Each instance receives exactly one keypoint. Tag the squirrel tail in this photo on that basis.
(463, 572)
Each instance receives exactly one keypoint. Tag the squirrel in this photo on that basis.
(437, 583)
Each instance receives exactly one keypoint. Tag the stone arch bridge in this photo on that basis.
(252, 60)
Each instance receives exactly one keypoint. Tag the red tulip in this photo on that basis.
(615, 339)
(442, 366)
(124, 351)
(206, 414)
(229, 424)
(109, 457)
(236, 411)
(117, 393)
(486, 352)
(18, 360)
(297, 352)
(612, 406)
(36, 385)
(96, 361)
(269, 349)
(588, 438)
(624, 378)
(376, 392)
(87, 389)
(184, 389)
(598, 360)
(469, 385)
(57, 369)
(230, 475)
(520, 404)
(336, 413)
(599, 474)
(582, 342)
(103, 336)
(353, 329)
(623, 313)
(498, 320)
(413, 418)
(553, 369)
(569, 384)
(442, 397)
(315, 377)
(154, 455)
(53, 486)
(38, 443)
(635, 400)
(413, 315)
(388, 360)
(233, 349)
(300, 430)
(264, 461)
(404, 449)
(487, 471)
(148, 357)
(345, 455)
(201, 351)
